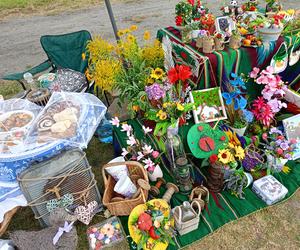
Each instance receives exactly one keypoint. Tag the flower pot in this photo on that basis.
(235, 42)
(219, 44)
(157, 173)
(208, 44)
(199, 42)
(239, 131)
(270, 34)
(195, 34)
(275, 163)
(249, 179)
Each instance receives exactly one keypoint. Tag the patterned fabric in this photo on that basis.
(214, 69)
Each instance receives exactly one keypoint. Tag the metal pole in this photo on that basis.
(112, 19)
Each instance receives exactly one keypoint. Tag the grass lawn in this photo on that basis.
(277, 227)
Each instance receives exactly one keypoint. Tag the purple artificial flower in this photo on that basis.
(288, 156)
(284, 145)
(275, 130)
(155, 91)
(278, 142)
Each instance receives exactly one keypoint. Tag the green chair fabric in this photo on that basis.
(65, 51)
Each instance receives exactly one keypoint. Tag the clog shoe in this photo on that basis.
(294, 56)
(280, 60)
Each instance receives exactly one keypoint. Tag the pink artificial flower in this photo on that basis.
(254, 72)
(151, 168)
(147, 149)
(265, 136)
(276, 105)
(148, 163)
(146, 129)
(124, 152)
(279, 151)
(131, 141)
(115, 122)
(262, 80)
(262, 111)
(140, 156)
(293, 141)
(155, 154)
(268, 71)
(126, 128)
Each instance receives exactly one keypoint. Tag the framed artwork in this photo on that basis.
(209, 105)
(292, 130)
(224, 25)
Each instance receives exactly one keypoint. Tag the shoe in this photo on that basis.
(280, 60)
(294, 56)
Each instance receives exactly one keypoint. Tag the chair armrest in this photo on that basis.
(35, 70)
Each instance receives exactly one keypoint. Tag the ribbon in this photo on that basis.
(61, 230)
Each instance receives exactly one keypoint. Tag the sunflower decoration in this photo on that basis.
(225, 156)
(157, 74)
(151, 225)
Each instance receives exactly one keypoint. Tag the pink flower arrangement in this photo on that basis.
(137, 150)
(265, 107)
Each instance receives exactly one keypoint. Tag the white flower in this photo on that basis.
(148, 163)
(131, 141)
(140, 156)
(147, 149)
(115, 122)
(146, 129)
(124, 152)
(126, 128)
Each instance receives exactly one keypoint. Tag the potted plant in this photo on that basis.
(235, 181)
(272, 28)
(278, 150)
(138, 150)
(236, 103)
(235, 40)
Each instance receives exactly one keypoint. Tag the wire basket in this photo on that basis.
(124, 207)
(68, 173)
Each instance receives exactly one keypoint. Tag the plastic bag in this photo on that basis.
(71, 117)
(16, 118)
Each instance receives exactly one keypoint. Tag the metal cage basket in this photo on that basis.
(68, 173)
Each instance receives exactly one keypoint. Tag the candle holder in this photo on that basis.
(154, 190)
(171, 189)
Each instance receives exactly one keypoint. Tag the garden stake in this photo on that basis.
(172, 188)
(154, 190)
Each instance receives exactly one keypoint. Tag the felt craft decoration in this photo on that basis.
(86, 213)
(204, 141)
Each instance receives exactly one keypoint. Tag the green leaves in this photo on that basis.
(161, 128)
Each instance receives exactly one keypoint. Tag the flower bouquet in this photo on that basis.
(140, 151)
(236, 103)
(251, 5)
(164, 100)
(151, 225)
(278, 150)
(265, 107)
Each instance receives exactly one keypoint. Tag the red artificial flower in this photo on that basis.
(262, 111)
(144, 222)
(178, 20)
(213, 159)
(252, 8)
(179, 72)
(192, 2)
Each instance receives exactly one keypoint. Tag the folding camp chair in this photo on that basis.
(63, 51)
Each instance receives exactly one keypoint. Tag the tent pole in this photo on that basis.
(112, 19)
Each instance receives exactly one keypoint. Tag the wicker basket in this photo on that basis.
(124, 207)
(7, 218)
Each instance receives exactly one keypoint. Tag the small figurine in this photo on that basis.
(233, 9)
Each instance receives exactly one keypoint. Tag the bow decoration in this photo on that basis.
(61, 230)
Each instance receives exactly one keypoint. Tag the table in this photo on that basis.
(214, 69)
(223, 207)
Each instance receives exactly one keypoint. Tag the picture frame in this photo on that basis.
(209, 105)
(292, 131)
(224, 25)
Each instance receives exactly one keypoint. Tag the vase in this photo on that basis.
(157, 173)
(270, 34)
(249, 179)
(173, 130)
(215, 179)
(239, 131)
(275, 164)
